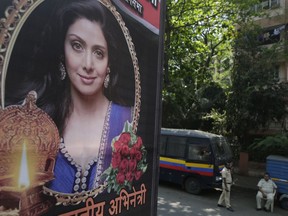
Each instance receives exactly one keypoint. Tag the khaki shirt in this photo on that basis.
(226, 173)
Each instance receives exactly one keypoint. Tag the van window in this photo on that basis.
(219, 148)
(163, 145)
(222, 149)
(199, 152)
(198, 149)
(176, 147)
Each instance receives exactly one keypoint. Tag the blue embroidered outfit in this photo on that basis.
(69, 177)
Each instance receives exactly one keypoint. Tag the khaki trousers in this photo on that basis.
(225, 196)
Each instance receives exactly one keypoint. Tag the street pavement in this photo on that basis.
(174, 201)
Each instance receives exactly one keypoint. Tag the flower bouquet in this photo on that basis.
(128, 161)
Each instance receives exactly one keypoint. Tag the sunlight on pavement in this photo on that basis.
(166, 207)
(175, 205)
(209, 210)
(161, 200)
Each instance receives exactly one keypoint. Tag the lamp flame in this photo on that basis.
(24, 180)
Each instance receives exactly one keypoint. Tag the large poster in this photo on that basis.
(80, 106)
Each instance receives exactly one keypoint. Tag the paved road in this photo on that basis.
(173, 201)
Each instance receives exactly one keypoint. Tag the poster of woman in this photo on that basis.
(80, 106)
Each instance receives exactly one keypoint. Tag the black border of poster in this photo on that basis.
(158, 121)
(151, 104)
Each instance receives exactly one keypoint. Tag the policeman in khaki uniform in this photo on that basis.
(226, 186)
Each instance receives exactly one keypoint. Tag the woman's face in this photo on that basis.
(86, 57)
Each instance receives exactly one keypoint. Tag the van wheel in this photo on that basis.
(192, 186)
(284, 203)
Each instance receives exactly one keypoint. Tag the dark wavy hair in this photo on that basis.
(44, 75)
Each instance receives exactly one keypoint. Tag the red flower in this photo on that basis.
(138, 174)
(117, 145)
(120, 178)
(138, 143)
(116, 159)
(125, 138)
(132, 165)
(125, 150)
(123, 165)
(129, 176)
(138, 155)
(133, 151)
(128, 160)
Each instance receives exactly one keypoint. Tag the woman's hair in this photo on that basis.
(44, 75)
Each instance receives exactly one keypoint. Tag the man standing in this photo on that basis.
(226, 186)
(266, 189)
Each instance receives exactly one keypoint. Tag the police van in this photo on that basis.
(192, 158)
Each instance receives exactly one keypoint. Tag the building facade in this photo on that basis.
(274, 22)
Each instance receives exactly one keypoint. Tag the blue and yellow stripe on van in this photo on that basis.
(282, 185)
(182, 165)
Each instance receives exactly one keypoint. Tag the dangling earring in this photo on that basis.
(107, 78)
(62, 69)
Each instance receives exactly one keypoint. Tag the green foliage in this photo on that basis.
(256, 98)
(271, 145)
(218, 121)
(198, 53)
(216, 76)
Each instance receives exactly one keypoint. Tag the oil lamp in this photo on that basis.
(28, 146)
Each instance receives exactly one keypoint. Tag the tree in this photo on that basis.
(198, 60)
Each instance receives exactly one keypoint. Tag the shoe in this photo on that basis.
(267, 210)
(258, 209)
(219, 205)
(230, 209)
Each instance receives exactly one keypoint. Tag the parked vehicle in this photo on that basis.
(193, 158)
(277, 167)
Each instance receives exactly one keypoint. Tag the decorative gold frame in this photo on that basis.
(10, 26)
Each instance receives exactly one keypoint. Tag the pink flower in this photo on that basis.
(120, 178)
(116, 159)
(138, 174)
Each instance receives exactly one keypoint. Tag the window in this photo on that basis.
(222, 149)
(274, 3)
(267, 4)
(163, 145)
(271, 35)
(176, 147)
(198, 149)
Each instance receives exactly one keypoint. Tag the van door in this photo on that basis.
(199, 162)
(172, 158)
